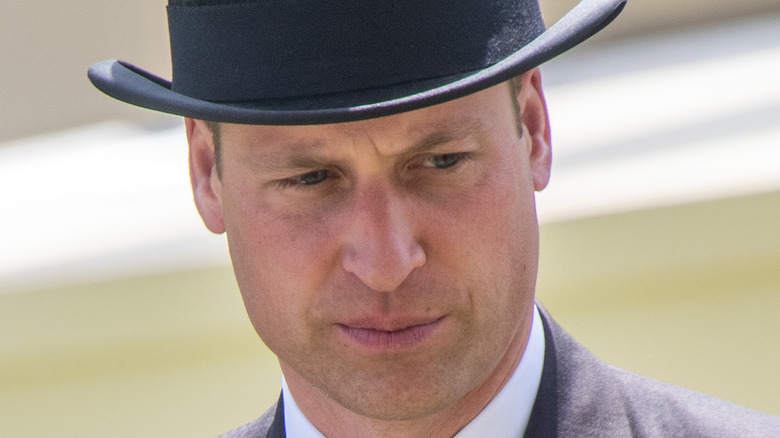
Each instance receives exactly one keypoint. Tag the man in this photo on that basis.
(373, 165)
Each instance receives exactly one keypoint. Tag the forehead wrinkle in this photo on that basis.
(412, 132)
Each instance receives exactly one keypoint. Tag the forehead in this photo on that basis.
(481, 110)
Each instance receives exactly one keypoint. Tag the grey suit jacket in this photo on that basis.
(581, 396)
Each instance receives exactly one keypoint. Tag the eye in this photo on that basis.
(443, 161)
(311, 178)
(306, 179)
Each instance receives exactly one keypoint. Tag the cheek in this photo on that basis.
(495, 220)
(488, 239)
(262, 237)
(280, 263)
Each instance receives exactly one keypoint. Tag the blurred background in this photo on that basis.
(119, 314)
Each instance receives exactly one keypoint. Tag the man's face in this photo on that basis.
(389, 263)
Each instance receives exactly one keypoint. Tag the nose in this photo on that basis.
(381, 248)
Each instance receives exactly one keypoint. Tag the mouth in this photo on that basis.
(378, 337)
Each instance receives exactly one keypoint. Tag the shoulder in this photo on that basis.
(596, 399)
(258, 428)
(659, 409)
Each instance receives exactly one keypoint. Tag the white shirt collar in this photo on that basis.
(296, 425)
(506, 416)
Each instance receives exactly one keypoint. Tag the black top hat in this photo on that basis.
(288, 62)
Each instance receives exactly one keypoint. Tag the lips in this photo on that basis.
(385, 336)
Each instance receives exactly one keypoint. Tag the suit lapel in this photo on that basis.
(277, 425)
(544, 416)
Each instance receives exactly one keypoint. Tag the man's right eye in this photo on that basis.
(306, 179)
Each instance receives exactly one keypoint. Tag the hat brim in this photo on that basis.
(133, 85)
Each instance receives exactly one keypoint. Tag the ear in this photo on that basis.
(536, 123)
(206, 184)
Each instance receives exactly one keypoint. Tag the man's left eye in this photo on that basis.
(312, 178)
(443, 161)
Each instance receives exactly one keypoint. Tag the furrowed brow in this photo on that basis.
(292, 164)
(446, 134)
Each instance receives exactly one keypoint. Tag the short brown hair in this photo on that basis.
(216, 135)
(514, 90)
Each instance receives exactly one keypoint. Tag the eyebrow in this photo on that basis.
(446, 134)
(302, 158)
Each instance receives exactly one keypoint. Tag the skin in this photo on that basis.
(389, 263)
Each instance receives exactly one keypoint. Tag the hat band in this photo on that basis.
(293, 48)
